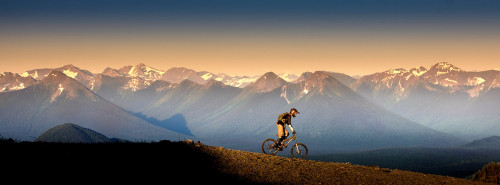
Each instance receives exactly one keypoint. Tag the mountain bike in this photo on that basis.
(299, 150)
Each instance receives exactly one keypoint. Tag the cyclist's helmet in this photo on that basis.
(294, 111)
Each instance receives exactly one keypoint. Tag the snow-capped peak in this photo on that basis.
(143, 71)
(475, 81)
(25, 74)
(70, 73)
(239, 81)
(445, 66)
(207, 76)
(418, 71)
(396, 71)
(148, 70)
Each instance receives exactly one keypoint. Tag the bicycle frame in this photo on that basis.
(288, 140)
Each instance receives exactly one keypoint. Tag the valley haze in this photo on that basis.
(436, 106)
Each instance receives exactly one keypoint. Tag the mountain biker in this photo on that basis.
(285, 118)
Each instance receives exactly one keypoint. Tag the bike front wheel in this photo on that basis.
(269, 147)
(299, 150)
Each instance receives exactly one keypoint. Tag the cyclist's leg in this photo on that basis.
(281, 133)
(280, 130)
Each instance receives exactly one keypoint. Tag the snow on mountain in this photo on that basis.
(390, 85)
(130, 78)
(80, 75)
(112, 72)
(59, 99)
(443, 68)
(236, 81)
(288, 77)
(399, 79)
(418, 71)
(63, 87)
(212, 76)
(142, 75)
(444, 97)
(206, 75)
(142, 70)
(136, 83)
(241, 81)
(319, 82)
(37, 74)
(12, 82)
(451, 78)
(475, 81)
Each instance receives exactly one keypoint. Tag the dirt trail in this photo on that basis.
(267, 169)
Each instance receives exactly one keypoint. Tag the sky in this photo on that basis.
(250, 37)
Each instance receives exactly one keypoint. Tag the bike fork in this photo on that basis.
(296, 146)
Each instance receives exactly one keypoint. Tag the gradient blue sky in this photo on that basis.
(249, 37)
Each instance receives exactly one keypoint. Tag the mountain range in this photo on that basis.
(443, 97)
(440, 106)
(27, 113)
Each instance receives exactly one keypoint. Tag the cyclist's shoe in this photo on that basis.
(279, 146)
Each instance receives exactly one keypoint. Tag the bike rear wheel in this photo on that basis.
(269, 147)
(299, 150)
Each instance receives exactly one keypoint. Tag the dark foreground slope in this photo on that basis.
(174, 162)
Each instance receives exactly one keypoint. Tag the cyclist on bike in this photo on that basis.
(285, 118)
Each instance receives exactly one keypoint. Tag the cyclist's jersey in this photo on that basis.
(284, 118)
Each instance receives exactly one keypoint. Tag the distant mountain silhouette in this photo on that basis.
(489, 142)
(27, 113)
(72, 133)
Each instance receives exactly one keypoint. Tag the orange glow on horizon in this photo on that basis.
(249, 55)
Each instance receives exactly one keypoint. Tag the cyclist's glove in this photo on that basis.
(294, 132)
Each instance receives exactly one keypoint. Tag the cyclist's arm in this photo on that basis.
(291, 128)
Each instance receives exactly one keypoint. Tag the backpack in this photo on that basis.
(283, 116)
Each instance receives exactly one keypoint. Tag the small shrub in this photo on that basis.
(490, 173)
